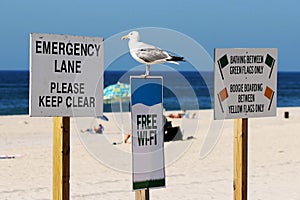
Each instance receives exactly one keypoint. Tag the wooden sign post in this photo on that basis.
(61, 158)
(142, 194)
(240, 158)
(65, 73)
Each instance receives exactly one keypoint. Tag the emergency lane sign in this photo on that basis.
(245, 83)
(66, 75)
(147, 132)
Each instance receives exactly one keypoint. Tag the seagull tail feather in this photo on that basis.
(175, 59)
(173, 62)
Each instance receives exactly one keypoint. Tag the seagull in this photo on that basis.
(148, 54)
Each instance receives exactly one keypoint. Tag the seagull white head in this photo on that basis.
(133, 35)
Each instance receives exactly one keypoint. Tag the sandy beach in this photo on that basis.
(197, 168)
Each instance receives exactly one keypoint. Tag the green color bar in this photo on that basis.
(149, 184)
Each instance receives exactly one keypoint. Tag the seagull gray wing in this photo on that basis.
(150, 55)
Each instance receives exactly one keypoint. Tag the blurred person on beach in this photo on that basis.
(184, 114)
(168, 130)
(99, 129)
(177, 115)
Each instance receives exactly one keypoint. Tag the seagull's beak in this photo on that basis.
(124, 37)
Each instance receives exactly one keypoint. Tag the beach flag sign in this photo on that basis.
(148, 165)
(270, 63)
(269, 93)
(222, 62)
(245, 82)
(222, 95)
(66, 75)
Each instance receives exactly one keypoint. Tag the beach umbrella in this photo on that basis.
(118, 92)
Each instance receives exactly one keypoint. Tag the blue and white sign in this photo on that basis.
(147, 132)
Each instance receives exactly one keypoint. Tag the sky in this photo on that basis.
(213, 24)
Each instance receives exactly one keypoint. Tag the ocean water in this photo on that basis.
(14, 92)
(182, 90)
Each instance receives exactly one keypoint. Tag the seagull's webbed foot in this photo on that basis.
(144, 75)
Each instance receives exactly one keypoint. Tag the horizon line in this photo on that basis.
(121, 70)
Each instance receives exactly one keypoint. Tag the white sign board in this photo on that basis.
(66, 75)
(147, 132)
(245, 83)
